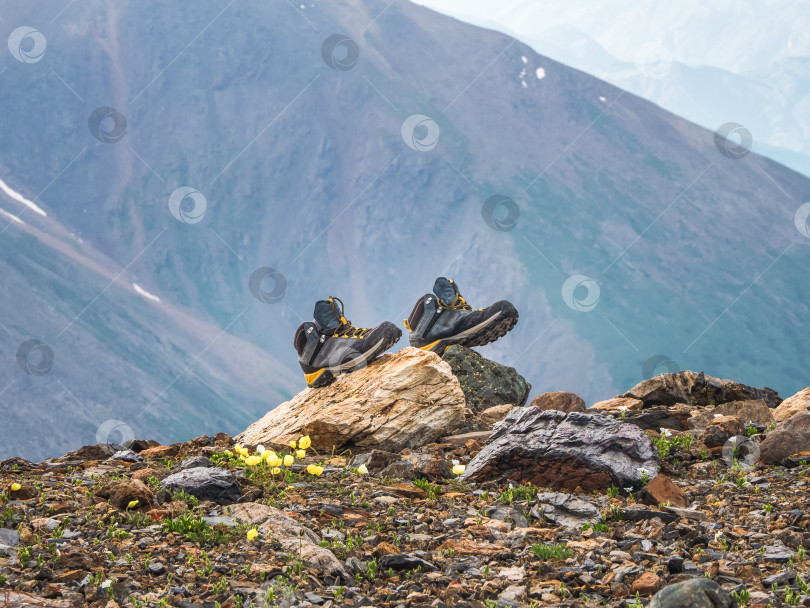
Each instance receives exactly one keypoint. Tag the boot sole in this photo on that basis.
(490, 330)
(327, 375)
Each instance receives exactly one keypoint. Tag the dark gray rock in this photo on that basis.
(126, 455)
(206, 483)
(566, 510)
(779, 579)
(696, 593)
(157, 568)
(404, 561)
(484, 382)
(9, 538)
(563, 451)
(192, 463)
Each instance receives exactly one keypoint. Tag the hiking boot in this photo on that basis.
(443, 318)
(330, 344)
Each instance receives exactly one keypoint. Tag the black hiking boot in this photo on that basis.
(332, 345)
(443, 318)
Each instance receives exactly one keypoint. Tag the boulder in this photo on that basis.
(756, 411)
(790, 437)
(375, 460)
(299, 540)
(565, 510)
(800, 402)
(206, 483)
(660, 490)
(696, 593)
(492, 415)
(561, 401)
(617, 403)
(563, 451)
(697, 389)
(485, 383)
(126, 491)
(721, 430)
(398, 401)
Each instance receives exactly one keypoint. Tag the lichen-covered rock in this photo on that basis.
(404, 400)
(697, 389)
(696, 593)
(486, 383)
(563, 451)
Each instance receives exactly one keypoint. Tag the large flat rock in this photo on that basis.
(564, 451)
(403, 400)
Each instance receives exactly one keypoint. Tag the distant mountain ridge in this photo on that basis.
(303, 168)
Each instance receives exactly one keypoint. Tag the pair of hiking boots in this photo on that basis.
(330, 344)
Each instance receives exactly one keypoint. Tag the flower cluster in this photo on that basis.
(276, 462)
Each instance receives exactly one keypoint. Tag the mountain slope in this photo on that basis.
(708, 62)
(304, 169)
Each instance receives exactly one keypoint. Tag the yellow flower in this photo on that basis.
(276, 471)
(274, 461)
(301, 454)
(252, 533)
(362, 469)
(312, 468)
(318, 470)
(292, 444)
(304, 442)
(252, 461)
(15, 487)
(458, 469)
(132, 504)
(240, 450)
(288, 460)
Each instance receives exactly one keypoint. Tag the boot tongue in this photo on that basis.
(445, 290)
(325, 317)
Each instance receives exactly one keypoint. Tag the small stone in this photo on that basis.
(157, 568)
(660, 490)
(646, 584)
(403, 561)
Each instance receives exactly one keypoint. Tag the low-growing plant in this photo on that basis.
(425, 485)
(742, 597)
(613, 491)
(547, 551)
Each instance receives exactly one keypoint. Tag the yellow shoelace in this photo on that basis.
(346, 329)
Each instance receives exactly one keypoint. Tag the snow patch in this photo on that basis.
(602, 98)
(20, 198)
(145, 293)
(541, 73)
(523, 59)
(11, 216)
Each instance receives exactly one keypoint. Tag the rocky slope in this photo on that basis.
(472, 519)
